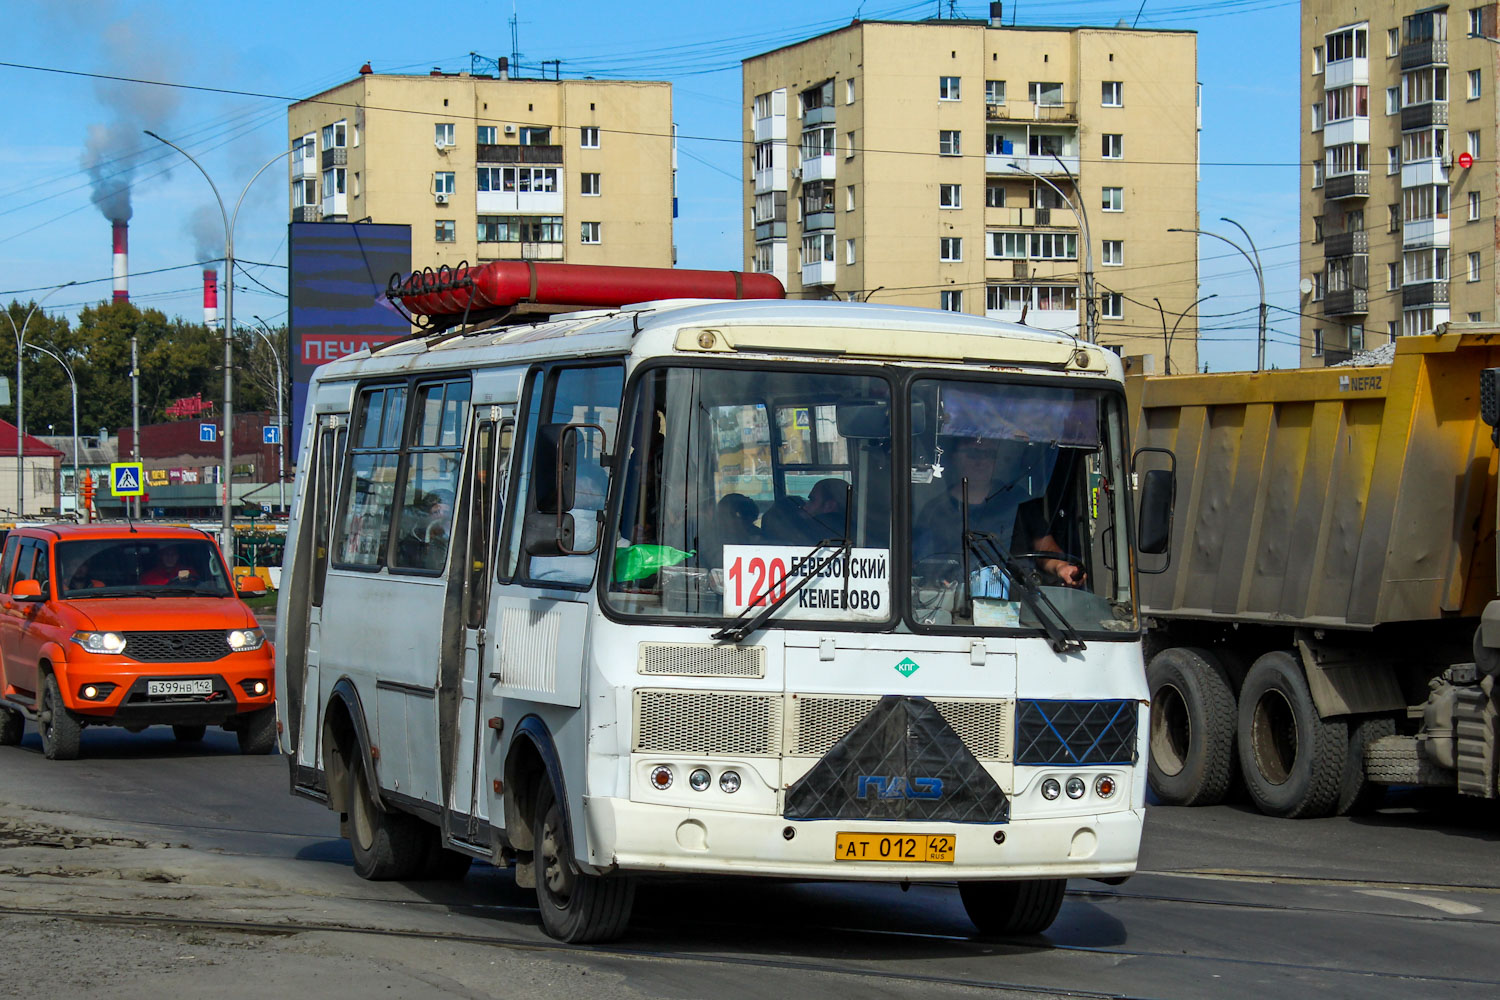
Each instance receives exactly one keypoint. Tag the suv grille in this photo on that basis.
(175, 647)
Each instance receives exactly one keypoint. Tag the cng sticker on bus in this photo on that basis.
(827, 585)
(907, 667)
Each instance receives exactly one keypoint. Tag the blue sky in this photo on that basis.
(50, 232)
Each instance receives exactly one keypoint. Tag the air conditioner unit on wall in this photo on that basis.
(441, 199)
(510, 130)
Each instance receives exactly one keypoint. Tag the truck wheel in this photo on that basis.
(387, 845)
(1358, 794)
(1292, 760)
(1027, 906)
(189, 734)
(12, 727)
(575, 907)
(61, 730)
(257, 735)
(1192, 728)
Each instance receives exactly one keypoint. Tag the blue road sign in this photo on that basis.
(271, 435)
(208, 433)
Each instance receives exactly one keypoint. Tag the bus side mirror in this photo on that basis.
(548, 534)
(1156, 506)
(554, 470)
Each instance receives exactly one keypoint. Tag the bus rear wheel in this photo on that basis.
(1009, 909)
(575, 907)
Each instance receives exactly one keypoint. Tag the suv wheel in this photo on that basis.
(12, 726)
(258, 733)
(61, 730)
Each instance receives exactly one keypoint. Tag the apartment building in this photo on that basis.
(492, 168)
(958, 164)
(1398, 177)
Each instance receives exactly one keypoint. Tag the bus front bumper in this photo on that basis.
(632, 836)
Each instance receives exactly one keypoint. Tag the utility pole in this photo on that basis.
(135, 418)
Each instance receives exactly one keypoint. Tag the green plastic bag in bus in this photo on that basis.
(636, 562)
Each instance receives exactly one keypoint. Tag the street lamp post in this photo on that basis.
(74, 383)
(280, 428)
(1167, 338)
(1260, 278)
(20, 394)
(226, 527)
(1091, 307)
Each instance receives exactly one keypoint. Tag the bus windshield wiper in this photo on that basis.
(737, 630)
(1061, 635)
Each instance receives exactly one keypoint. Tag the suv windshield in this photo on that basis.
(1018, 515)
(739, 484)
(120, 567)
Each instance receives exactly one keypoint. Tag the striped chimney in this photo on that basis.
(122, 239)
(210, 296)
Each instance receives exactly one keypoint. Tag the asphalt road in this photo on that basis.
(146, 851)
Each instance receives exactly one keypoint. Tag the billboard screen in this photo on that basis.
(338, 273)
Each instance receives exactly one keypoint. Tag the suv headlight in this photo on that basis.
(100, 642)
(243, 639)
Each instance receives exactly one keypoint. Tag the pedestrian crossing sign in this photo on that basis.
(127, 479)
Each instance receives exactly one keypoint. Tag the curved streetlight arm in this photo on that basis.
(1090, 331)
(211, 184)
(1254, 262)
(73, 382)
(21, 392)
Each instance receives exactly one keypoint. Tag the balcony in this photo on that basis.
(486, 153)
(1347, 302)
(1346, 73)
(1426, 293)
(304, 168)
(1054, 218)
(819, 168)
(338, 156)
(1063, 321)
(1433, 52)
(1029, 111)
(1346, 130)
(773, 230)
(817, 220)
(1420, 173)
(1346, 186)
(818, 116)
(1019, 165)
(520, 202)
(770, 179)
(1346, 244)
(1417, 116)
(821, 272)
(307, 213)
(1417, 233)
(772, 128)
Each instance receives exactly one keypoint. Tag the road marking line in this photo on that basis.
(1449, 906)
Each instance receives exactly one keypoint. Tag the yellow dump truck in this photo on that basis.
(1316, 625)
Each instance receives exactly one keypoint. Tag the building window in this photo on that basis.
(1114, 146)
(1471, 143)
(1112, 95)
(534, 136)
(1112, 305)
(335, 135)
(519, 229)
(446, 232)
(994, 91)
(1319, 286)
(1348, 102)
(849, 91)
(1114, 253)
(819, 96)
(589, 233)
(1474, 266)
(510, 180)
(1317, 59)
(1392, 100)
(848, 251)
(1357, 337)
(354, 184)
(1317, 173)
(1317, 229)
(849, 148)
(950, 196)
(1048, 95)
(949, 143)
(994, 194)
(1114, 199)
(588, 184)
(1392, 329)
(952, 300)
(1346, 44)
(1476, 22)
(443, 133)
(442, 182)
(1474, 84)
(1393, 218)
(1392, 278)
(1473, 318)
(817, 248)
(849, 198)
(1316, 111)
(588, 137)
(951, 249)
(1392, 42)
(1007, 246)
(484, 135)
(304, 193)
(948, 88)
(1392, 160)
(1052, 246)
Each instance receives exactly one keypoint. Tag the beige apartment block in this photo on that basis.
(493, 168)
(1398, 176)
(954, 164)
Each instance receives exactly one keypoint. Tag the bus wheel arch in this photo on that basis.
(530, 763)
(346, 745)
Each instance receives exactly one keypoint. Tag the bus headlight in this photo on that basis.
(1076, 787)
(1104, 786)
(1051, 789)
(729, 782)
(244, 639)
(661, 777)
(100, 642)
(699, 780)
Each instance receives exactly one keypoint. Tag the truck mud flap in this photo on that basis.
(902, 761)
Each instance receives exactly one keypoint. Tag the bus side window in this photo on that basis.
(491, 452)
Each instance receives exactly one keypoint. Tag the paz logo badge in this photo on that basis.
(907, 667)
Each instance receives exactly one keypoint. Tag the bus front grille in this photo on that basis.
(695, 659)
(707, 722)
(818, 722)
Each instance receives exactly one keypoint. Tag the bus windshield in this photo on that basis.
(1018, 508)
(740, 484)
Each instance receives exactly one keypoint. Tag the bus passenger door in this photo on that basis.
(304, 698)
(490, 449)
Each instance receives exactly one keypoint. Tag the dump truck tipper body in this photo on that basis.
(1333, 553)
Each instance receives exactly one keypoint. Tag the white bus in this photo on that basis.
(808, 589)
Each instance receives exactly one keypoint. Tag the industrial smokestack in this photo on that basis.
(997, 15)
(122, 239)
(210, 296)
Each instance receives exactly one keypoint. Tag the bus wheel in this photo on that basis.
(1025, 906)
(387, 845)
(1292, 760)
(575, 907)
(1192, 728)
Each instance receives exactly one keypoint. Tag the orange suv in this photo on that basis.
(133, 626)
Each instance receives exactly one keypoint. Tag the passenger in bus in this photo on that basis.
(1015, 520)
(735, 516)
(794, 521)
